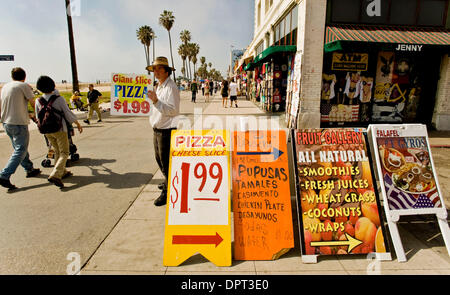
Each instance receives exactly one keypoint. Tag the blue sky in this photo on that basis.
(35, 32)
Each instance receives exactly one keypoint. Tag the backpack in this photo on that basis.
(47, 120)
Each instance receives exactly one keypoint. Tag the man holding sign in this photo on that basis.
(163, 117)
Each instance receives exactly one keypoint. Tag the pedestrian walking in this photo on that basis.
(14, 100)
(206, 92)
(224, 93)
(58, 137)
(233, 93)
(93, 95)
(211, 87)
(163, 118)
(194, 89)
(203, 88)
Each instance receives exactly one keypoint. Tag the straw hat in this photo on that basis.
(159, 61)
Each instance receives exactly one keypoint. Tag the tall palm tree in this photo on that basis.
(145, 35)
(73, 61)
(202, 60)
(195, 51)
(185, 36)
(183, 54)
(167, 19)
(191, 51)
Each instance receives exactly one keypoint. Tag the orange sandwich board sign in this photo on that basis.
(263, 228)
(198, 215)
(337, 203)
(408, 179)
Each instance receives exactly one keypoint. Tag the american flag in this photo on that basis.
(350, 113)
(401, 200)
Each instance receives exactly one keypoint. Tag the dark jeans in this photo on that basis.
(194, 96)
(161, 143)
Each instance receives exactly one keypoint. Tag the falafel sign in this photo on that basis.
(129, 95)
(263, 228)
(407, 177)
(337, 204)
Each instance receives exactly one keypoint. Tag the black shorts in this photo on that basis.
(233, 97)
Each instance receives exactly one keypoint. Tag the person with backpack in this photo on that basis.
(14, 100)
(53, 118)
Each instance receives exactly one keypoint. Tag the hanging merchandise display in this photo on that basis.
(378, 86)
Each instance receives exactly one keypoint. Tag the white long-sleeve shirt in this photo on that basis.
(164, 113)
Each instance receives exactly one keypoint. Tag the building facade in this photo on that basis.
(351, 62)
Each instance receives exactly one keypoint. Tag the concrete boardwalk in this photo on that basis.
(135, 244)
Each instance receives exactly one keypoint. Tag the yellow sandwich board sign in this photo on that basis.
(198, 214)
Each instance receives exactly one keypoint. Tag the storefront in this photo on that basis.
(269, 82)
(382, 73)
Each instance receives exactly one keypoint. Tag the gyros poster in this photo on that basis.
(337, 204)
(407, 171)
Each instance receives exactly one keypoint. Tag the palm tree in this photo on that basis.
(145, 35)
(195, 51)
(191, 51)
(185, 36)
(166, 19)
(183, 52)
(73, 62)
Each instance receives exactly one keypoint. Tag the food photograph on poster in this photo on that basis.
(338, 206)
(407, 173)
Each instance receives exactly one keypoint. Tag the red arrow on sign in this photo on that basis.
(217, 239)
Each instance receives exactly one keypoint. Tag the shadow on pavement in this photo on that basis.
(105, 175)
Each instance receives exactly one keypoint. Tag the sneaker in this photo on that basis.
(6, 183)
(162, 199)
(33, 173)
(99, 121)
(87, 122)
(56, 181)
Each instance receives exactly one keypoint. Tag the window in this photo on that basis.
(403, 12)
(277, 33)
(260, 47)
(282, 28)
(345, 10)
(432, 12)
(288, 23)
(286, 29)
(295, 17)
(389, 12)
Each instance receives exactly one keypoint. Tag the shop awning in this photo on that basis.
(265, 55)
(244, 62)
(250, 66)
(382, 34)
